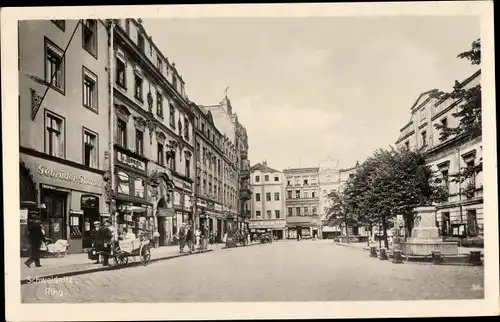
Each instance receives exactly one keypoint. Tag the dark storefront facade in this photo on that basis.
(67, 197)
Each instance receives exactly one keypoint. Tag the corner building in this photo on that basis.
(462, 214)
(302, 202)
(64, 134)
(152, 136)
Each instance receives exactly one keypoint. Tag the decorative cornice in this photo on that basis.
(140, 123)
(160, 136)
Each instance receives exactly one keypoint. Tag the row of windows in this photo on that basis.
(55, 142)
(162, 156)
(266, 178)
(277, 214)
(307, 211)
(297, 180)
(212, 137)
(305, 194)
(423, 135)
(55, 76)
(268, 196)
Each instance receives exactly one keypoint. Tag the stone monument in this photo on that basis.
(425, 235)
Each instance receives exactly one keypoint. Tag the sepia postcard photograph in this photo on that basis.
(250, 161)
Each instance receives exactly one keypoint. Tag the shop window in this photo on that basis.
(139, 188)
(257, 197)
(90, 36)
(122, 133)
(472, 226)
(54, 135)
(121, 74)
(159, 104)
(123, 183)
(445, 224)
(277, 214)
(276, 196)
(89, 149)
(268, 196)
(89, 90)
(160, 158)
(139, 142)
(138, 92)
(54, 66)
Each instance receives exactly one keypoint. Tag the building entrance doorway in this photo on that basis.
(90, 207)
(55, 214)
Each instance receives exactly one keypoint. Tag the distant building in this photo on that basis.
(268, 201)
(302, 202)
(329, 180)
(354, 231)
(236, 149)
(462, 214)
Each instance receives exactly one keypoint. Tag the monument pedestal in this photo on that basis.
(425, 236)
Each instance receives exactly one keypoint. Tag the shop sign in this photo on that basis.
(130, 161)
(218, 207)
(67, 176)
(270, 224)
(201, 203)
(105, 214)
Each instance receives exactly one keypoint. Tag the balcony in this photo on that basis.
(245, 169)
(244, 154)
(245, 194)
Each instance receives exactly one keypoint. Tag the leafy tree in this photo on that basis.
(385, 186)
(469, 113)
(339, 213)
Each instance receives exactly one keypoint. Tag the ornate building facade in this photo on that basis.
(153, 138)
(462, 214)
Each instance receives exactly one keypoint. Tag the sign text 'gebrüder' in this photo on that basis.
(67, 176)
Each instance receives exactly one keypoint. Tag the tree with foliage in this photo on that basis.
(339, 213)
(385, 186)
(469, 113)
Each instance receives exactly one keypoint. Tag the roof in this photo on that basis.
(262, 168)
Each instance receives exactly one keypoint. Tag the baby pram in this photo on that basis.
(58, 249)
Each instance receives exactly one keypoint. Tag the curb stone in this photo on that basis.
(27, 280)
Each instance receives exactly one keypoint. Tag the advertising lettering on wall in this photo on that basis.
(67, 176)
(130, 161)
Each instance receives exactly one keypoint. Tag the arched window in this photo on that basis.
(123, 183)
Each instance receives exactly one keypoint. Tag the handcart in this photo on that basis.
(123, 249)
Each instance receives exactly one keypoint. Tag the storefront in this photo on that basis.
(275, 228)
(182, 202)
(69, 198)
(133, 208)
(304, 226)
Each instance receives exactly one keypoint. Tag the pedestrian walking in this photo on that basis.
(106, 233)
(37, 239)
(204, 238)
(97, 240)
(197, 236)
(189, 238)
(182, 237)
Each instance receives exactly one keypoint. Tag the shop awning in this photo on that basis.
(27, 191)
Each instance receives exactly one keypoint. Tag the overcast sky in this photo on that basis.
(308, 88)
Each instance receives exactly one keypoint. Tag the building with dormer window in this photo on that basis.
(462, 214)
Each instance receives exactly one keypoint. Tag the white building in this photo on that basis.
(268, 201)
(329, 180)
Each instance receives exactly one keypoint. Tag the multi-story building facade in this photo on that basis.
(153, 142)
(236, 174)
(63, 125)
(462, 213)
(302, 202)
(329, 180)
(212, 192)
(268, 201)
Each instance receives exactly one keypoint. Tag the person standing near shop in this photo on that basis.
(107, 238)
(189, 238)
(97, 240)
(182, 237)
(36, 238)
(204, 238)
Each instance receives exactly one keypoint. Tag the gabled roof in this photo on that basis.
(262, 168)
(423, 97)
